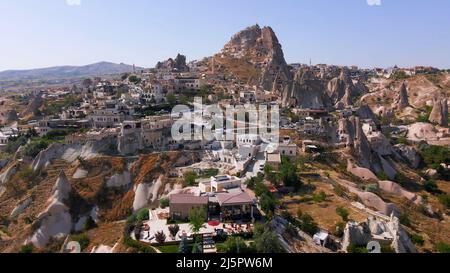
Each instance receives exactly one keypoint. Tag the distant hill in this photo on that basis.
(66, 72)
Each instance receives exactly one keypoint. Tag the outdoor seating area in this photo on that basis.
(158, 222)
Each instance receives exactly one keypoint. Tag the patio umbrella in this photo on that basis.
(214, 223)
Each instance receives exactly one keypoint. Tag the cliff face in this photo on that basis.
(306, 91)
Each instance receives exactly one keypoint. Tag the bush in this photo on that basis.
(445, 200)
(443, 248)
(266, 241)
(234, 245)
(189, 178)
(164, 203)
(357, 249)
(321, 197)
(268, 203)
(160, 237)
(431, 186)
(26, 249)
(307, 224)
(142, 215)
(433, 156)
(174, 229)
(417, 239)
(343, 213)
(404, 220)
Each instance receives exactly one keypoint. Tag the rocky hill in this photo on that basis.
(259, 55)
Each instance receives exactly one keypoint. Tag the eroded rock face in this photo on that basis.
(360, 234)
(338, 87)
(408, 153)
(146, 194)
(8, 116)
(178, 64)
(402, 100)
(306, 91)
(56, 220)
(119, 180)
(70, 153)
(439, 114)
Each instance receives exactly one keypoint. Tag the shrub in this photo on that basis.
(268, 203)
(142, 215)
(164, 203)
(431, 187)
(404, 220)
(352, 248)
(234, 245)
(321, 197)
(174, 229)
(26, 249)
(189, 178)
(417, 239)
(445, 200)
(343, 213)
(443, 248)
(266, 241)
(339, 229)
(160, 237)
(339, 190)
(307, 224)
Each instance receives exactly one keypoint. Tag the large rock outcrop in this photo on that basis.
(409, 154)
(70, 152)
(178, 64)
(56, 220)
(260, 47)
(145, 194)
(342, 85)
(306, 91)
(360, 234)
(402, 100)
(439, 114)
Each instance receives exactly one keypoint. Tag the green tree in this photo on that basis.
(189, 178)
(268, 203)
(235, 245)
(266, 241)
(171, 99)
(164, 203)
(307, 224)
(197, 218)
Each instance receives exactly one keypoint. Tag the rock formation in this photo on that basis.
(306, 91)
(439, 114)
(360, 234)
(402, 100)
(56, 220)
(178, 64)
(7, 116)
(338, 87)
(260, 47)
(409, 154)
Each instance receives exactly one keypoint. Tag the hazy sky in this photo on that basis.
(42, 33)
